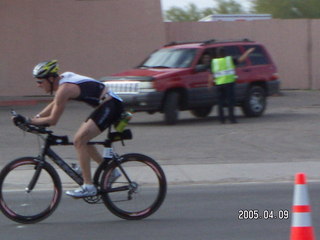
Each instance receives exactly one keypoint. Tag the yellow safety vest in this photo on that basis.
(223, 70)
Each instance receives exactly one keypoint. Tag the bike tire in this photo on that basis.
(147, 191)
(26, 207)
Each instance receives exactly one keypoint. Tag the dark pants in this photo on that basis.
(226, 98)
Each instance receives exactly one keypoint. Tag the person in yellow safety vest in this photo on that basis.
(224, 75)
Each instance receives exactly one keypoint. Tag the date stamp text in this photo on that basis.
(255, 214)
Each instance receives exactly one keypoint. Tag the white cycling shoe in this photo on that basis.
(83, 191)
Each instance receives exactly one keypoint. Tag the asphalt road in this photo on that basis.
(285, 136)
(189, 212)
(286, 133)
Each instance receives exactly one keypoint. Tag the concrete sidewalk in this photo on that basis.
(217, 174)
(231, 173)
(240, 173)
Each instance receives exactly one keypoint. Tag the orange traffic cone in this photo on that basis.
(301, 227)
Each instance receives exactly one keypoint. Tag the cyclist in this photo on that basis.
(72, 86)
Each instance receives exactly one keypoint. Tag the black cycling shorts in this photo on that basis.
(106, 114)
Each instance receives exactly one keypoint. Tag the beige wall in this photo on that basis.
(314, 58)
(100, 37)
(92, 37)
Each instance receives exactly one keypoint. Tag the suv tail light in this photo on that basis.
(274, 76)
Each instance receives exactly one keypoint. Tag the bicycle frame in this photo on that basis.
(53, 140)
(117, 178)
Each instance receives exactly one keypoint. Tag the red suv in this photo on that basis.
(173, 79)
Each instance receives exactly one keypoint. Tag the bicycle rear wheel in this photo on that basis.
(29, 206)
(139, 190)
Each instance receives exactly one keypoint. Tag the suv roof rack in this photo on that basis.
(211, 41)
(179, 43)
(207, 42)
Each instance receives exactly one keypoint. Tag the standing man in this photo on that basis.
(72, 86)
(224, 75)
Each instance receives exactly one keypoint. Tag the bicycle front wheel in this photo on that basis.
(30, 190)
(134, 188)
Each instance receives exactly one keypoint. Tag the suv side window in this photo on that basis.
(235, 53)
(258, 56)
(206, 57)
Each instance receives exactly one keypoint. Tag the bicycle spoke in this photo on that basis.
(28, 205)
(142, 195)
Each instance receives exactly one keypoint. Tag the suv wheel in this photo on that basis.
(201, 112)
(255, 102)
(171, 108)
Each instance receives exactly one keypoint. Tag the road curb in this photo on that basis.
(207, 174)
(23, 101)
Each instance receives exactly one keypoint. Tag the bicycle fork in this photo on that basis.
(35, 177)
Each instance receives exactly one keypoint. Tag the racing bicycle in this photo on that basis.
(31, 188)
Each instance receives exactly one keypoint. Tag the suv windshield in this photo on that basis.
(170, 58)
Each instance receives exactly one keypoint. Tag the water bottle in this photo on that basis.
(124, 120)
(76, 168)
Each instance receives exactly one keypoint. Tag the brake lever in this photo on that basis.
(27, 127)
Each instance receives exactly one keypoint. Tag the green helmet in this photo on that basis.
(46, 69)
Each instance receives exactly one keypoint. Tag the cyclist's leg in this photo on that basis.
(85, 133)
(96, 123)
(94, 154)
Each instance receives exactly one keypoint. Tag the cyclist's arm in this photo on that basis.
(46, 111)
(64, 93)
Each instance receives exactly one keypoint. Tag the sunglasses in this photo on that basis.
(40, 80)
